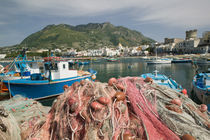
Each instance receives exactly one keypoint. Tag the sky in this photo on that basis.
(156, 19)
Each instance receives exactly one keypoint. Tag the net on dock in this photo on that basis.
(19, 115)
(127, 108)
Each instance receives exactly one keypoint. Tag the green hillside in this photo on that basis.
(89, 36)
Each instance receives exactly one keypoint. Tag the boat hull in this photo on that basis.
(181, 61)
(159, 62)
(202, 94)
(42, 90)
(163, 80)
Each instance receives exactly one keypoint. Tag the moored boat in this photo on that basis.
(160, 61)
(19, 68)
(84, 63)
(202, 61)
(177, 60)
(201, 87)
(50, 83)
(112, 59)
(162, 79)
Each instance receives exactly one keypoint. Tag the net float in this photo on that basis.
(65, 87)
(187, 137)
(176, 102)
(120, 96)
(75, 85)
(96, 105)
(120, 86)
(148, 79)
(203, 108)
(112, 81)
(127, 136)
(103, 100)
(184, 91)
(93, 76)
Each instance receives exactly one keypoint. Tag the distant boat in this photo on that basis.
(84, 63)
(177, 60)
(201, 87)
(50, 83)
(162, 79)
(202, 61)
(159, 61)
(112, 59)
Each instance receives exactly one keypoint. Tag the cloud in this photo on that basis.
(172, 12)
(2, 23)
(150, 14)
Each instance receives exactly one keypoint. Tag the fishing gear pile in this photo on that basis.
(126, 109)
(19, 116)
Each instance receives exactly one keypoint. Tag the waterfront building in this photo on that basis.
(2, 56)
(204, 46)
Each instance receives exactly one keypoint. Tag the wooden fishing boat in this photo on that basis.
(50, 83)
(19, 68)
(162, 79)
(201, 87)
(112, 59)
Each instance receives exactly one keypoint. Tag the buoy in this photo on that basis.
(203, 108)
(65, 87)
(127, 136)
(96, 105)
(176, 102)
(184, 91)
(187, 137)
(120, 96)
(148, 79)
(93, 76)
(112, 81)
(103, 100)
(75, 84)
(120, 86)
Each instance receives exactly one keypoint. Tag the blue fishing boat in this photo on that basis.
(50, 83)
(20, 67)
(84, 63)
(176, 60)
(162, 79)
(201, 87)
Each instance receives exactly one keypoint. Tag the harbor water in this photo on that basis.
(182, 73)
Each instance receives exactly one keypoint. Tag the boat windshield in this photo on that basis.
(51, 66)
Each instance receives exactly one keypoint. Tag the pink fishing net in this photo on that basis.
(126, 109)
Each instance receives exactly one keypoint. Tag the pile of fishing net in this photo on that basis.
(124, 109)
(19, 115)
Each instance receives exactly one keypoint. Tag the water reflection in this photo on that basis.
(182, 73)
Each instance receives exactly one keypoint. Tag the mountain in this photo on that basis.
(89, 36)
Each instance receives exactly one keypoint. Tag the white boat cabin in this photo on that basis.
(59, 70)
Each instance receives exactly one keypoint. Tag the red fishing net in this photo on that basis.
(126, 109)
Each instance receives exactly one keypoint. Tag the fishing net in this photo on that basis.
(18, 116)
(123, 110)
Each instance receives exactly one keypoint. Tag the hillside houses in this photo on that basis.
(109, 52)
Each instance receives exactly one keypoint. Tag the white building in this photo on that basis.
(109, 52)
(2, 56)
